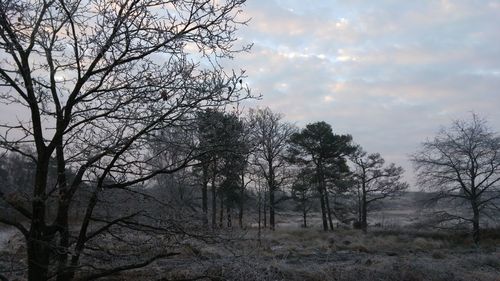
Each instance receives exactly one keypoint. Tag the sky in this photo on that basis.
(390, 73)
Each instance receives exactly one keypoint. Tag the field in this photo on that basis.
(396, 247)
(386, 252)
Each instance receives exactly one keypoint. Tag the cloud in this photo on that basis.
(387, 72)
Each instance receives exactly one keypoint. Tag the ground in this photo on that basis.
(386, 252)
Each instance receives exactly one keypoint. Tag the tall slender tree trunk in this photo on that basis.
(304, 216)
(321, 191)
(214, 196)
(329, 210)
(221, 214)
(272, 187)
(271, 210)
(265, 210)
(259, 216)
(364, 210)
(204, 194)
(475, 222)
(228, 214)
(242, 200)
(360, 206)
(323, 209)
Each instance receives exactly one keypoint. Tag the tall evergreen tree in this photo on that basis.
(317, 147)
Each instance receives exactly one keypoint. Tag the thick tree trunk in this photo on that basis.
(38, 248)
(38, 256)
(62, 217)
(63, 273)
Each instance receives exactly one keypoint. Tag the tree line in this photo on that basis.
(240, 150)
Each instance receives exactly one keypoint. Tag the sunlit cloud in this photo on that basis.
(387, 72)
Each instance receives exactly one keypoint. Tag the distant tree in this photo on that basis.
(317, 147)
(223, 150)
(172, 145)
(374, 181)
(462, 165)
(234, 161)
(303, 193)
(209, 127)
(94, 81)
(270, 135)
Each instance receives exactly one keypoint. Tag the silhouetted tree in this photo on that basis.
(96, 79)
(462, 164)
(234, 161)
(210, 144)
(374, 181)
(270, 136)
(317, 147)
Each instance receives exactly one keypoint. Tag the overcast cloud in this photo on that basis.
(388, 72)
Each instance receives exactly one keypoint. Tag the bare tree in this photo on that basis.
(462, 165)
(96, 81)
(374, 181)
(270, 135)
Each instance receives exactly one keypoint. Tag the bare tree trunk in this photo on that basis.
(204, 195)
(38, 246)
(360, 206)
(221, 214)
(228, 214)
(364, 211)
(38, 256)
(323, 209)
(272, 187)
(321, 191)
(271, 209)
(265, 209)
(304, 216)
(329, 210)
(214, 198)
(242, 200)
(475, 223)
(63, 273)
(240, 216)
(260, 218)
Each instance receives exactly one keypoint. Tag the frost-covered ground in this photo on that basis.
(343, 255)
(384, 253)
(396, 247)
